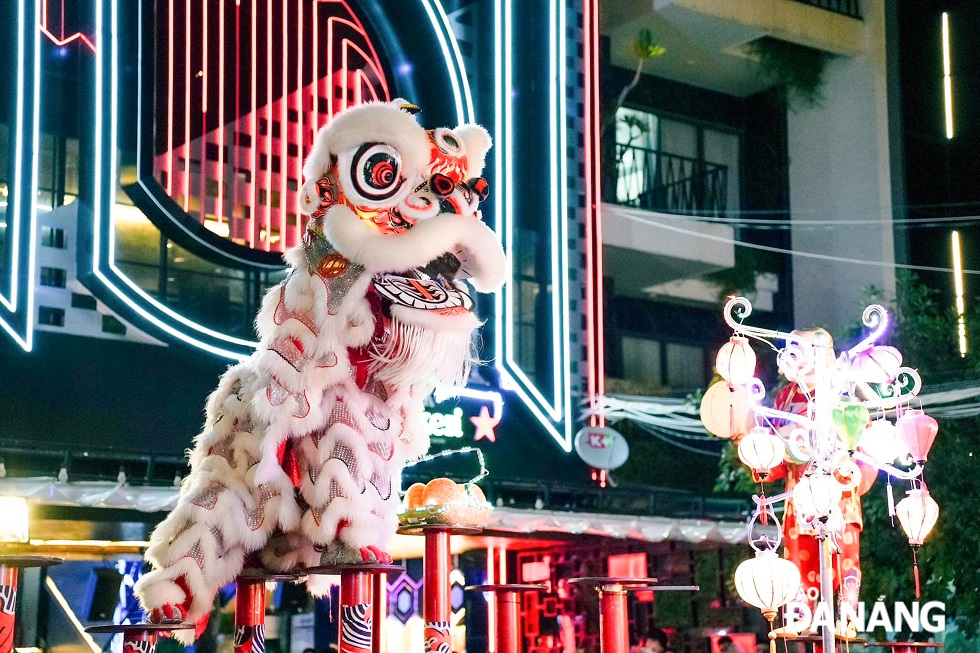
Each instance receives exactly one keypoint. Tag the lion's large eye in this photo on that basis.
(376, 171)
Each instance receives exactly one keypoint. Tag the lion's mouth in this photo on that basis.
(432, 286)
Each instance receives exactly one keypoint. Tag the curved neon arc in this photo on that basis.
(149, 308)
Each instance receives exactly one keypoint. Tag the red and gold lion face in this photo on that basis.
(401, 203)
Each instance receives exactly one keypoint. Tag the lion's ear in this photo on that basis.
(477, 143)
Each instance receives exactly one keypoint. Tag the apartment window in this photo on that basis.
(657, 363)
(54, 277)
(669, 165)
(53, 237)
(642, 360)
(87, 302)
(111, 324)
(49, 316)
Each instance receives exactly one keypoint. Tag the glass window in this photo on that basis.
(685, 366)
(53, 237)
(87, 302)
(721, 149)
(111, 324)
(54, 277)
(642, 360)
(49, 316)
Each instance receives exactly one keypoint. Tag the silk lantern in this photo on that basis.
(881, 441)
(919, 431)
(816, 495)
(761, 450)
(725, 410)
(14, 522)
(850, 418)
(736, 361)
(878, 364)
(767, 582)
(917, 513)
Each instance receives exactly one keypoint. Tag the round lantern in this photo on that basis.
(736, 361)
(850, 419)
(878, 364)
(761, 450)
(919, 431)
(725, 410)
(767, 582)
(917, 513)
(882, 441)
(816, 495)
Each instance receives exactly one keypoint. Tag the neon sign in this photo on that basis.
(549, 398)
(17, 300)
(444, 425)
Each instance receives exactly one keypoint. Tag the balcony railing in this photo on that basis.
(658, 181)
(850, 8)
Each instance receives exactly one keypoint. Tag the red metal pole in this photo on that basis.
(8, 605)
(612, 619)
(355, 612)
(380, 612)
(436, 609)
(139, 641)
(250, 616)
(508, 604)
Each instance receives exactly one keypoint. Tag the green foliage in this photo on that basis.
(645, 48)
(740, 279)
(797, 69)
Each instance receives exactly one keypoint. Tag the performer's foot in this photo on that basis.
(166, 614)
(373, 554)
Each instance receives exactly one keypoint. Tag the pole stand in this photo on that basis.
(509, 633)
(138, 638)
(10, 566)
(437, 608)
(250, 608)
(363, 603)
(613, 617)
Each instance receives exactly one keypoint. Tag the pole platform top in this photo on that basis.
(631, 584)
(340, 570)
(507, 587)
(137, 628)
(271, 576)
(26, 561)
(452, 529)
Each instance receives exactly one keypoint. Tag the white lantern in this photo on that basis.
(882, 441)
(761, 450)
(767, 582)
(917, 513)
(816, 495)
(736, 361)
(13, 520)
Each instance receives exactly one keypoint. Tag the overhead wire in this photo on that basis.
(792, 252)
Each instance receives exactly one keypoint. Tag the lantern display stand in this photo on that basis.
(613, 617)
(138, 638)
(250, 607)
(507, 599)
(436, 565)
(10, 566)
(833, 417)
(363, 602)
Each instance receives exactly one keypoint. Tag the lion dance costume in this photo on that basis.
(303, 442)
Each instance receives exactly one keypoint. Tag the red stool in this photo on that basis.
(507, 598)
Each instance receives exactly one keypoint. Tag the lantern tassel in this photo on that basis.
(915, 572)
(772, 638)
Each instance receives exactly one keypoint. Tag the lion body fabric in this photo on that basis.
(304, 441)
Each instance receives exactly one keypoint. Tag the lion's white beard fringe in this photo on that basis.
(419, 356)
